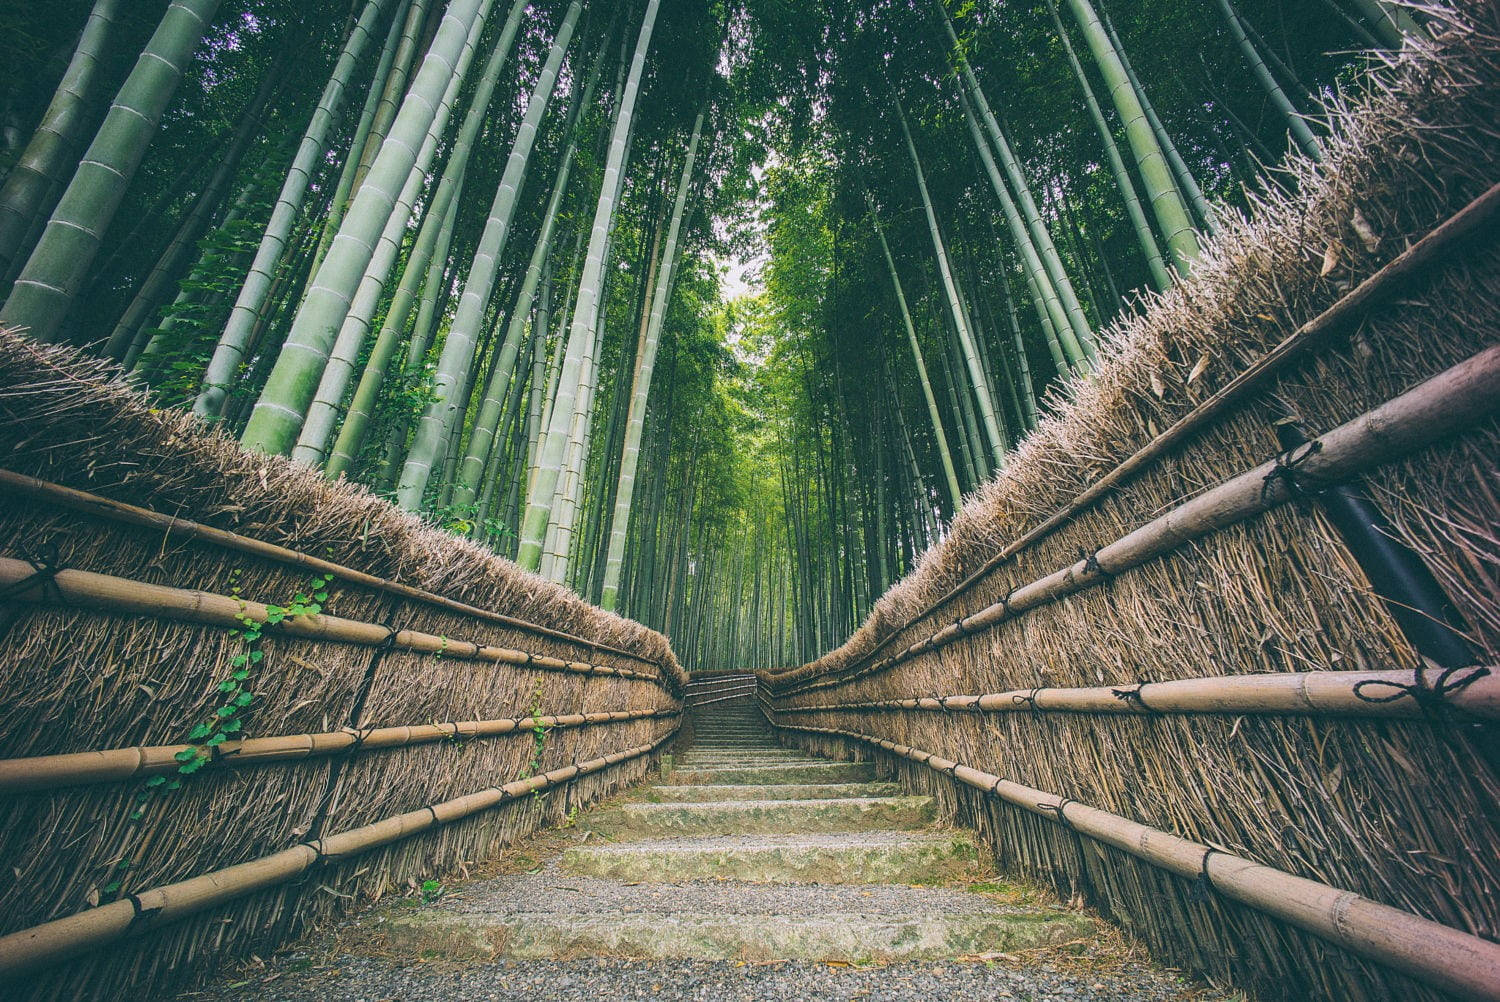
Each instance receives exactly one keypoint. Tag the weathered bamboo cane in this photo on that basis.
(20, 485)
(1474, 691)
(122, 596)
(1447, 403)
(1428, 951)
(51, 942)
(49, 772)
(1471, 221)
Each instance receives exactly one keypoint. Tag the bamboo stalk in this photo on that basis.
(1428, 951)
(1470, 221)
(48, 943)
(20, 485)
(1447, 403)
(122, 596)
(1313, 693)
(47, 772)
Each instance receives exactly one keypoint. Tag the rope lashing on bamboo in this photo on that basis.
(1452, 401)
(44, 572)
(20, 485)
(1428, 951)
(122, 596)
(1473, 691)
(47, 772)
(1469, 222)
(143, 911)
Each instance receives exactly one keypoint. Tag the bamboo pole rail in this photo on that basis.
(135, 914)
(1473, 691)
(31, 488)
(1449, 402)
(122, 596)
(1472, 220)
(47, 772)
(1428, 951)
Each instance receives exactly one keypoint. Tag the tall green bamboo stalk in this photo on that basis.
(61, 263)
(645, 366)
(996, 440)
(944, 454)
(278, 414)
(1166, 201)
(256, 291)
(541, 490)
(447, 409)
(31, 188)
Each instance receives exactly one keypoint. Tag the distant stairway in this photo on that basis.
(745, 854)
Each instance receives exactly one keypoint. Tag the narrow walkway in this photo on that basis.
(750, 871)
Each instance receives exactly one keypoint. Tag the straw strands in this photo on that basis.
(1397, 811)
(194, 533)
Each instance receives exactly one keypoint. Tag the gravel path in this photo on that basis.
(358, 979)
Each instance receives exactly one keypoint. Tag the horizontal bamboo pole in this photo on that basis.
(20, 485)
(51, 942)
(720, 699)
(727, 680)
(122, 596)
(1428, 951)
(1449, 402)
(1475, 691)
(1472, 220)
(47, 772)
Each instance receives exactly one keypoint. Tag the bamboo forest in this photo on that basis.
(875, 418)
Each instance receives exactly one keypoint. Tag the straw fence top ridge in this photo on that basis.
(71, 424)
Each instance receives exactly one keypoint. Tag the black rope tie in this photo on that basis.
(1431, 699)
(1091, 565)
(1027, 699)
(1203, 885)
(1288, 471)
(994, 790)
(1005, 604)
(1134, 697)
(1059, 811)
(141, 912)
(959, 628)
(942, 702)
(45, 567)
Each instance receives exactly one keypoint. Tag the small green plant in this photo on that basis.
(234, 692)
(431, 891)
(538, 734)
(572, 817)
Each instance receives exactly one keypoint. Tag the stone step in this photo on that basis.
(848, 858)
(710, 760)
(840, 937)
(785, 791)
(710, 751)
(729, 817)
(822, 772)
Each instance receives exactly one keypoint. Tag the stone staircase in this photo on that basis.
(744, 855)
(744, 851)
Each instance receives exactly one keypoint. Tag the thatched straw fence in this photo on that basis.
(390, 738)
(1147, 665)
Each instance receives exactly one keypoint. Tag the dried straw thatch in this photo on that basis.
(78, 679)
(1402, 812)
